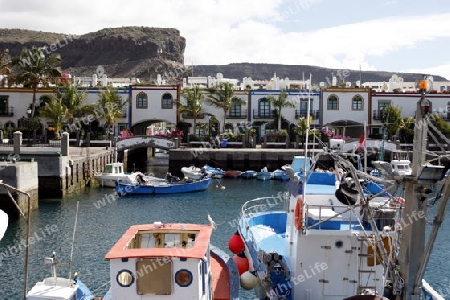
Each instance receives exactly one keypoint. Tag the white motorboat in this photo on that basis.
(114, 172)
(194, 173)
(59, 288)
(401, 166)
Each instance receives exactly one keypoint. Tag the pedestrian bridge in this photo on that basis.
(149, 141)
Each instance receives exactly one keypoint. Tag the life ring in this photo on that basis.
(397, 201)
(298, 214)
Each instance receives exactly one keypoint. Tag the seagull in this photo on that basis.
(212, 223)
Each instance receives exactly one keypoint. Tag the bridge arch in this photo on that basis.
(140, 127)
(152, 141)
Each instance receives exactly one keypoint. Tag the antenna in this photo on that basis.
(73, 240)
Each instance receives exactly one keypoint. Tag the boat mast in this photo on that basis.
(412, 239)
(308, 107)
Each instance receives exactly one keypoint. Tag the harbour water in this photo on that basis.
(102, 219)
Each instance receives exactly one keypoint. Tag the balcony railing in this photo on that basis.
(6, 111)
(302, 113)
(190, 116)
(237, 115)
(263, 114)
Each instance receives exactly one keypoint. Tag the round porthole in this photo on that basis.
(183, 277)
(125, 278)
(339, 244)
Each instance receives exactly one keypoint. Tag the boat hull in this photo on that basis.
(163, 188)
(263, 176)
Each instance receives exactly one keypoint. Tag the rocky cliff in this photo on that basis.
(123, 52)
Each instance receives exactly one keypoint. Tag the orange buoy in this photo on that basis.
(298, 214)
(241, 262)
(236, 244)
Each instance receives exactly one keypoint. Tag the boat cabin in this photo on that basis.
(401, 166)
(113, 168)
(165, 261)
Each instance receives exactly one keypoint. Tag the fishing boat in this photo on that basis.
(115, 172)
(59, 288)
(280, 174)
(232, 174)
(264, 174)
(170, 261)
(163, 187)
(194, 173)
(339, 233)
(249, 174)
(401, 166)
(215, 173)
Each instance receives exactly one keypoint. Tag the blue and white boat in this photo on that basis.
(264, 174)
(59, 288)
(249, 174)
(216, 173)
(339, 233)
(280, 175)
(163, 187)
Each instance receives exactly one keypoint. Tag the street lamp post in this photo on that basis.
(209, 128)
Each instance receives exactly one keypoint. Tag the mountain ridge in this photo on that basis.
(145, 52)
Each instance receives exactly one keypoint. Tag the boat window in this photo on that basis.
(154, 276)
(108, 169)
(125, 278)
(184, 239)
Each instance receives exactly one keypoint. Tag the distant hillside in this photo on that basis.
(144, 52)
(319, 74)
(123, 52)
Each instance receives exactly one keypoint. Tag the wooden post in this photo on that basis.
(413, 223)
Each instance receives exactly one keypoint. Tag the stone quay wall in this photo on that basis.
(48, 172)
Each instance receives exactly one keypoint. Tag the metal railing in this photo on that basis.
(7, 111)
(257, 114)
(302, 113)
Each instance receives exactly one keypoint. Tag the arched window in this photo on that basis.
(141, 100)
(357, 103)
(264, 108)
(167, 101)
(333, 103)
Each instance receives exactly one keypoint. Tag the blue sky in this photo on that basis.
(383, 35)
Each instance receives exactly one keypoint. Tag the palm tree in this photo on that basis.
(223, 97)
(36, 69)
(280, 102)
(193, 107)
(5, 62)
(109, 107)
(55, 112)
(74, 100)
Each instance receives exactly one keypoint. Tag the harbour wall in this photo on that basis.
(48, 172)
(231, 159)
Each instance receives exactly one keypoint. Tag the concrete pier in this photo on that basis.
(23, 176)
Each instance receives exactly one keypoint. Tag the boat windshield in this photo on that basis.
(108, 169)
